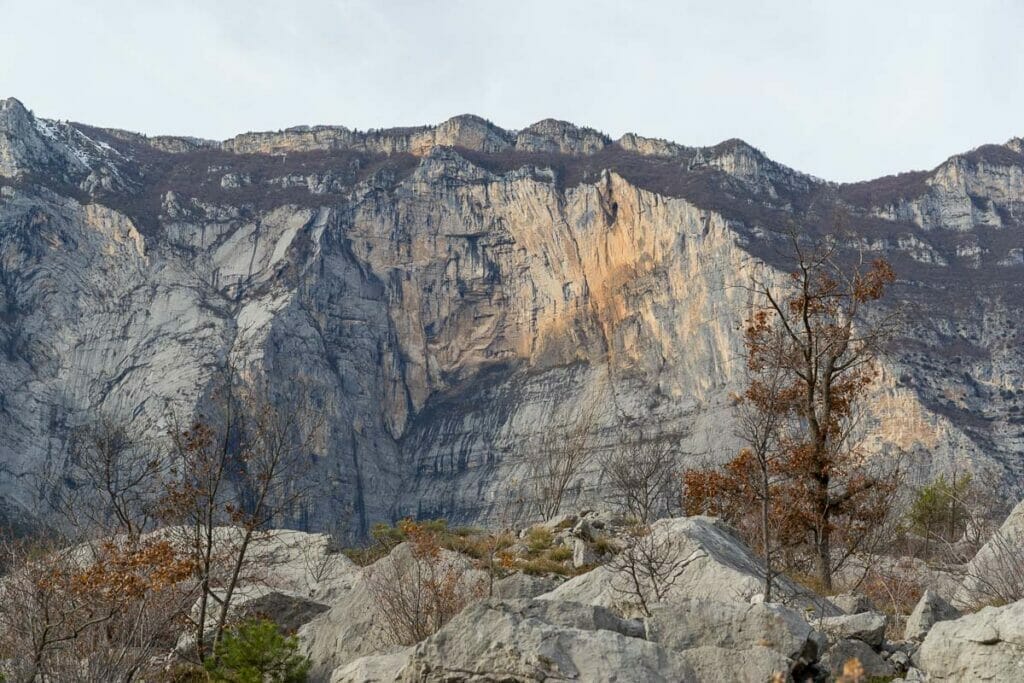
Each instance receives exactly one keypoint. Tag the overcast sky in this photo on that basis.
(845, 93)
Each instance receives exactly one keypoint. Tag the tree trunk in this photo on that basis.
(766, 543)
(824, 559)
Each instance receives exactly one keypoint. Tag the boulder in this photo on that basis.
(289, 612)
(518, 586)
(930, 609)
(753, 665)
(852, 603)
(554, 640)
(867, 627)
(996, 574)
(383, 668)
(721, 569)
(560, 522)
(696, 623)
(542, 640)
(844, 650)
(354, 626)
(985, 646)
(583, 554)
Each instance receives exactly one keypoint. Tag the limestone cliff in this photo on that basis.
(450, 292)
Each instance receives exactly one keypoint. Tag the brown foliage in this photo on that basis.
(99, 613)
(811, 354)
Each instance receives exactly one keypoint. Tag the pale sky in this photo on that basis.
(842, 90)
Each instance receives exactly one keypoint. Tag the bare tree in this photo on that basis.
(557, 459)
(650, 564)
(242, 465)
(641, 477)
(759, 420)
(112, 482)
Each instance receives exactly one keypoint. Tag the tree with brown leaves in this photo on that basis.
(811, 357)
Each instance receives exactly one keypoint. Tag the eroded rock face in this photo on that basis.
(450, 293)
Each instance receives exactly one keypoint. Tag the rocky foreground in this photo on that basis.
(711, 624)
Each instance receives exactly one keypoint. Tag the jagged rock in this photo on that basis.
(697, 623)
(867, 627)
(583, 554)
(996, 573)
(844, 650)
(985, 646)
(930, 609)
(852, 603)
(722, 569)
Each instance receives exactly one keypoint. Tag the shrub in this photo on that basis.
(539, 539)
(256, 652)
(560, 554)
(419, 593)
(542, 565)
(604, 546)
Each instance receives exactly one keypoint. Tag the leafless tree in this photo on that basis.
(641, 477)
(759, 421)
(649, 565)
(242, 464)
(996, 577)
(557, 458)
(112, 481)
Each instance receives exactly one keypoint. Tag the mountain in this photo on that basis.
(448, 293)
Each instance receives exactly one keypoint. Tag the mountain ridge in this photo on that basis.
(449, 301)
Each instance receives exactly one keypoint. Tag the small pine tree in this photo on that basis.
(939, 512)
(256, 652)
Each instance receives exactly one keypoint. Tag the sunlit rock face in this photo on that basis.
(449, 294)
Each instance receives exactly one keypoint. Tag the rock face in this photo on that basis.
(450, 293)
(985, 646)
